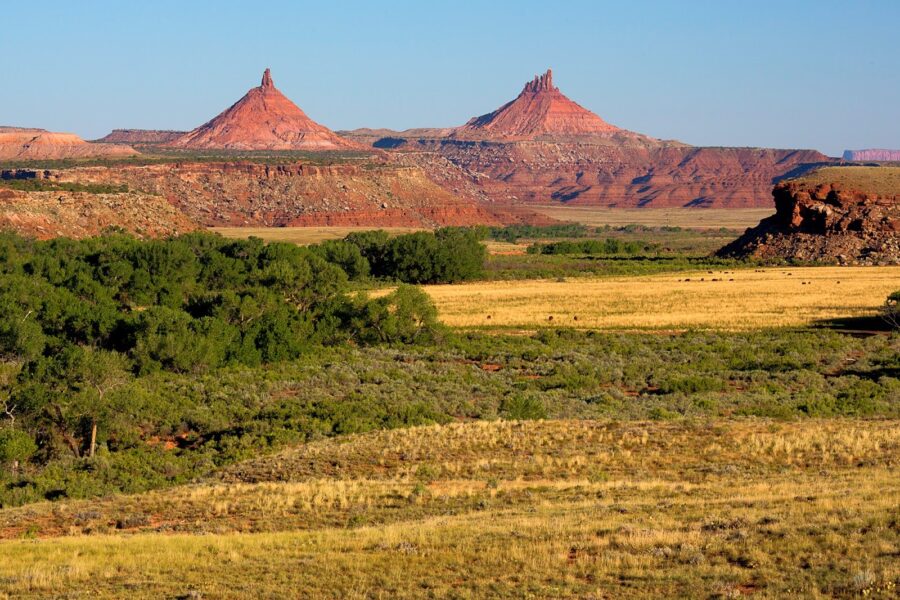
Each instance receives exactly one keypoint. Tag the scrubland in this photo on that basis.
(662, 424)
(498, 509)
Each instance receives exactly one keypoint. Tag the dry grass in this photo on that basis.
(303, 235)
(877, 180)
(731, 300)
(689, 218)
(503, 509)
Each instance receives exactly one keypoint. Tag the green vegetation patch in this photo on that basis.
(44, 185)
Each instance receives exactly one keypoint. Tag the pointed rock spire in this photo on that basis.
(539, 111)
(541, 83)
(264, 119)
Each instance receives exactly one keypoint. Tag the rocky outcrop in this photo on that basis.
(51, 214)
(18, 143)
(264, 119)
(294, 194)
(873, 155)
(825, 223)
(140, 136)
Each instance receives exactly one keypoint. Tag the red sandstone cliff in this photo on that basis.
(295, 194)
(544, 148)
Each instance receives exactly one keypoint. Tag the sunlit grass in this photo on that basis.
(498, 509)
(731, 300)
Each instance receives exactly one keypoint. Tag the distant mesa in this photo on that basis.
(23, 143)
(140, 136)
(540, 111)
(872, 154)
(264, 119)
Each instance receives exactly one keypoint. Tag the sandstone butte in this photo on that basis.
(19, 143)
(543, 148)
(539, 111)
(264, 119)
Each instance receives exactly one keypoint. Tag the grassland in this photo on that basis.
(735, 300)
(692, 218)
(876, 180)
(590, 509)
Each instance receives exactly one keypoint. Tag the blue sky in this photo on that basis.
(813, 74)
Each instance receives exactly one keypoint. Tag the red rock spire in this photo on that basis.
(541, 83)
(267, 80)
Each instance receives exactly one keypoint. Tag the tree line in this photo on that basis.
(80, 319)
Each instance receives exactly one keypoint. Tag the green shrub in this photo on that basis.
(16, 446)
(692, 384)
(522, 407)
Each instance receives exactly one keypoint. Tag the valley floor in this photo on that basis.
(590, 509)
(722, 299)
(694, 218)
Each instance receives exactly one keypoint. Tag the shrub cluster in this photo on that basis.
(448, 255)
(609, 246)
(512, 233)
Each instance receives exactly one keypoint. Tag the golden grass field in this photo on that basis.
(588, 509)
(688, 218)
(731, 300)
(303, 235)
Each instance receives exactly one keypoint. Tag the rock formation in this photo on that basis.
(294, 194)
(873, 154)
(825, 222)
(140, 136)
(18, 143)
(264, 119)
(542, 148)
(540, 111)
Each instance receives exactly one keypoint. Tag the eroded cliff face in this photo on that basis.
(825, 223)
(627, 174)
(253, 194)
(52, 214)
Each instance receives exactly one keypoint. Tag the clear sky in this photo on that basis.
(818, 74)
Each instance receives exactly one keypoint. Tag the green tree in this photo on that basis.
(16, 446)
